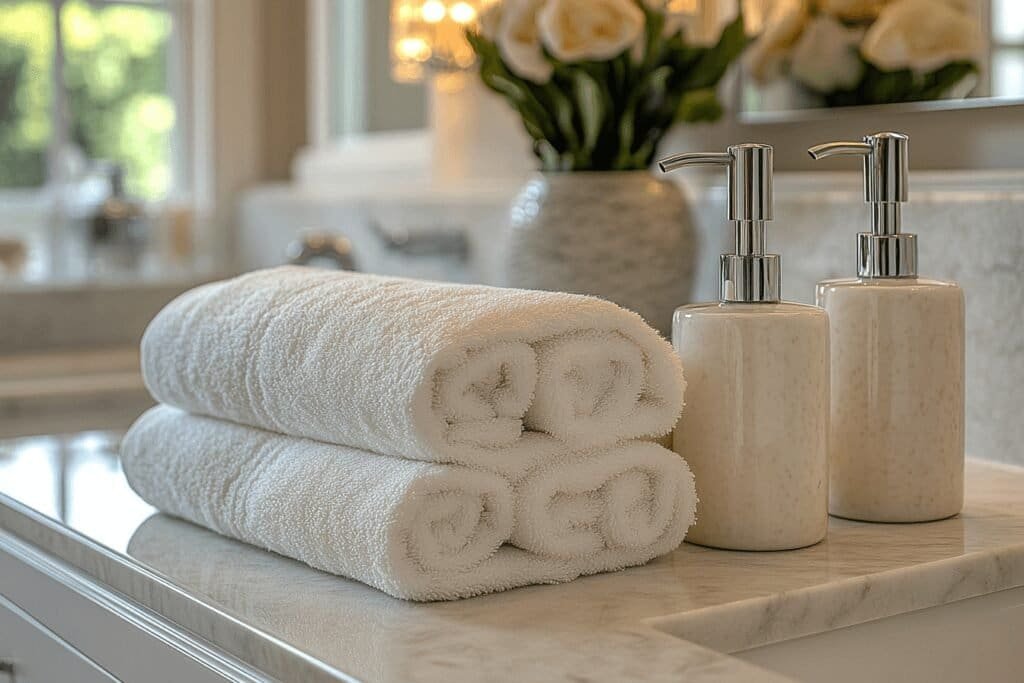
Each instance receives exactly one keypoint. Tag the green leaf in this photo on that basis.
(533, 129)
(507, 87)
(535, 116)
(937, 84)
(564, 114)
(903, 85)
(589, 98)
(653, 40)
(642, 157)
(711, 66)
(627, 129)
(549, 158)
(655, 86)
(699, 105)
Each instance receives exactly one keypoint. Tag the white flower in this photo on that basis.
(825, 57)
(490, 21)
(922, 35)
(585, 30)
(765, 56)
(674, 23)
(852, 9)
(518, 41)
(675, 20)
(702, 31)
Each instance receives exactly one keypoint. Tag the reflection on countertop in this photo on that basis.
(99, 388)
(655, 622)
(75, 480)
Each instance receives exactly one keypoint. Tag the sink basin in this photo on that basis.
(978, 639)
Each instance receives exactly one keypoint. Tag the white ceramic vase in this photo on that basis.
(623, 236)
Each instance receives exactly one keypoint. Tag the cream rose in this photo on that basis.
(702, 29)
(765, 56)
(584, 30)
(853, 10)
(490, 21)
(674, 21)
(518, 40)
(922, 35)
(825, 57)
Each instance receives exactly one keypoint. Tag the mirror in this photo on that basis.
(918, 54)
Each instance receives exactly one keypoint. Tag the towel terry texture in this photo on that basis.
(495, 378)
(416, 530)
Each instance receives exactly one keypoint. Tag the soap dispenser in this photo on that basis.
(897, 432)
(755, 427)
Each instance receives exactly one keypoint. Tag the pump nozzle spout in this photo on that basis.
(831, 149)
(748, 274)
(694, 159)
(886, 251)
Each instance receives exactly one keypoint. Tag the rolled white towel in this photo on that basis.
(594, 388)
(635, 500)
(399, 525)
(424, 370)
(415, 530)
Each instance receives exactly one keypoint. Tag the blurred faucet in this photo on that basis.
(322, 246)
(443, 242)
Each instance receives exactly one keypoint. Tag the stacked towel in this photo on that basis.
(497, 378)
(415, 530)
(434, 441)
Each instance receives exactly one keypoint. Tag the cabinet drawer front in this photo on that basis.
(32, 653)
(121, 638)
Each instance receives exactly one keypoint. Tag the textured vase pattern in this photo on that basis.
(626, 237)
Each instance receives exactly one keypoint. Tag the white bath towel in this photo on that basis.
(392, 523)
(636, 497)
(420, 531)
(439, 372)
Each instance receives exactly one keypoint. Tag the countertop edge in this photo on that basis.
(665, 658)
(768, 619)
(682, 645)
(161, 595)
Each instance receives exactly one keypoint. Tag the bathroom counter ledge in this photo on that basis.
(670, 620)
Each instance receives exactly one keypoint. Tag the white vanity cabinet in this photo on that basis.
(32, 653)
(58, 625)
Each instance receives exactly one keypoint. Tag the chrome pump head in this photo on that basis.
(885, 251)
(749, 275)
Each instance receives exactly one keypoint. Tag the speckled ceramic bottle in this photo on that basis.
(897, 423)
(897, 435)
(755, 427)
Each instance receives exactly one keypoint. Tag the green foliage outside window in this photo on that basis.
(115, 77)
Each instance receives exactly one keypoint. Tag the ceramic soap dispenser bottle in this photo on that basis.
(755, 427)
(897, 434)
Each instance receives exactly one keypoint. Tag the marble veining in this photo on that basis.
(670, 620)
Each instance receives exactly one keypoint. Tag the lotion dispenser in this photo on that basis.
(755, 428)
(897, 433)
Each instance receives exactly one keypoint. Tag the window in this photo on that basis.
(1008, 48)
(84, 81)
(353, 91)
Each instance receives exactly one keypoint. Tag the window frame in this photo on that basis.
(996, 45)
(180, 74)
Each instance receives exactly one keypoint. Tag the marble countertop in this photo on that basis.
(673, 619)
